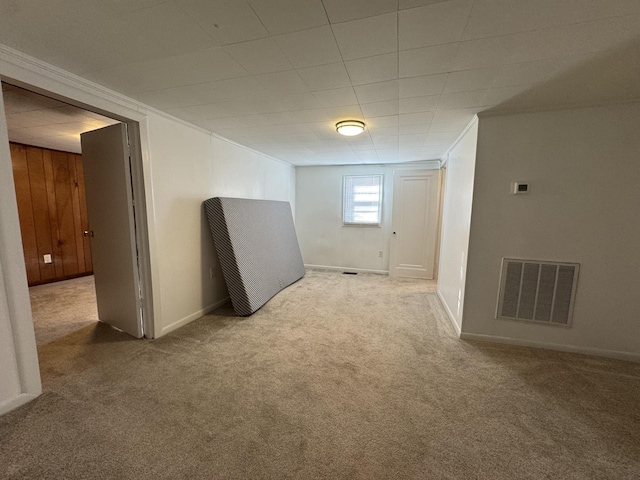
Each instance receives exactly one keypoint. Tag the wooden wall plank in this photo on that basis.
(53, 212)
(25, 212)
(64, 206)
(40, 207)
(75, 204)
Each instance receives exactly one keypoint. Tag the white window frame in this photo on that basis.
(345, 203)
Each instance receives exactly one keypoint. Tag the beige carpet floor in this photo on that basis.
(338, 376)
(61, 308)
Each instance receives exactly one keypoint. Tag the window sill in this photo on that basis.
(365, 225)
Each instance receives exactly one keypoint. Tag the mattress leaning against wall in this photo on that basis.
(257, 247)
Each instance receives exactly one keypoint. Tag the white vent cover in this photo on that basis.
(537, 291)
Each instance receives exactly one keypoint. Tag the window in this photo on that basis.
(362, 199)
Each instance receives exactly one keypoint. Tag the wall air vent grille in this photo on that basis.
(537, 291)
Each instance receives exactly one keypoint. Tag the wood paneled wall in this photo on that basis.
(53, 213)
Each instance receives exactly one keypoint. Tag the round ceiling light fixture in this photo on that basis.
(350, 128)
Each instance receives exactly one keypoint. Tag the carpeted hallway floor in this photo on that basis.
(339, 376)
(61, 308)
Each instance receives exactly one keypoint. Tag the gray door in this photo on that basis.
(105, 158)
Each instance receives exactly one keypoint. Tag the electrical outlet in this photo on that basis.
(380, 253)
(47, 258)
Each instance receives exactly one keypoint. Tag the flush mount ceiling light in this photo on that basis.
(349, 128)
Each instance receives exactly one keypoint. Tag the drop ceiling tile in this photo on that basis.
(406, 4)
(298, 101)
(427, 60)
(259, 56)
(344, 112)
(325, 77)
(463, 115)
(341, 11)
(582, 38)
(536, 71)
(485, 52)
(287, 16)
(218, 124)
(468, 80)
(212, 111)
(380, 109)
(385, 142)
(159, 31)
(434, 153)
(440, 138)
(300, 116)
(422, 86)
(336, 97)
(418, 104)
(387, 153)
(413, 129)
(448, 126)
(377, 92)
(227, 22)
(255, 121)
(286, 82)
(367, 157)
(382, 122)
(212, 92)
(255, 106)
(434, 24)
(502, 17)
(310, 47)
(373, 69)
(198, 67)
(416, 118)
(449, 101)
(413, 140)
(383, 132)
(367, 37)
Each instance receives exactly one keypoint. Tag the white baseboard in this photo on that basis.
(452, 319)
(190, 318)
(16, 402)
(347, 269)
(598, 352)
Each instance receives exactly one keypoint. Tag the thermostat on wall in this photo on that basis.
(518, 188)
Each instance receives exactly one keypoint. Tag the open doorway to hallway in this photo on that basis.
(44, 136)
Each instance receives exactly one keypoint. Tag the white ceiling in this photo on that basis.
(36, 120)
(276, 75)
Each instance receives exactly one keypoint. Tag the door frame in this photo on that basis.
(138, 216)
(50, 82)
(36, 75)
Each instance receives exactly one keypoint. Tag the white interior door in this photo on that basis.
(414, 223)
(105, 158)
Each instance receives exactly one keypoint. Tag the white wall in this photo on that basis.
(456, 221)
(324, 240)
(189, 166)
(584, 206)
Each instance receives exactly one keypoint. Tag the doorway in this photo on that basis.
(53, 126)
(414, 223)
